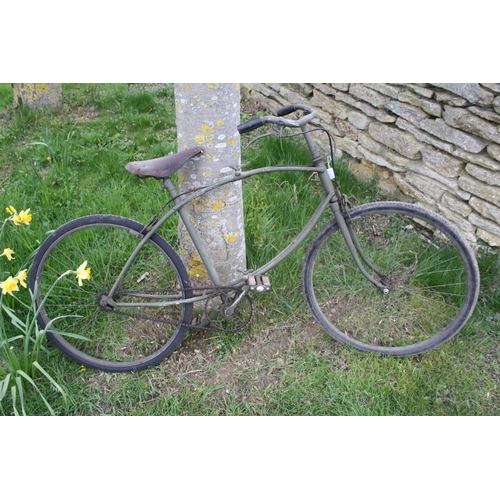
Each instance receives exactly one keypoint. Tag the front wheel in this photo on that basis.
(118, 339)
(431, 275)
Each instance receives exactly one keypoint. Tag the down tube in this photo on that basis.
(299, 239)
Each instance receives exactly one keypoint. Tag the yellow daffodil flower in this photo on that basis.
(83, 273)
(21, 277)
(8, 252)
(23, 217)
(9, 285)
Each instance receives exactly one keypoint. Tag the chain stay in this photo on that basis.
(195, 326)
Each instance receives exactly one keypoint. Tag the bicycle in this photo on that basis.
(386, 277)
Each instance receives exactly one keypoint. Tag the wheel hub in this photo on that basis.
(102, 302)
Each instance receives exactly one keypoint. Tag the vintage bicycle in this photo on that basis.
(386, 277)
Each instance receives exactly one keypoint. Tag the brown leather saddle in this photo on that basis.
(163, 167)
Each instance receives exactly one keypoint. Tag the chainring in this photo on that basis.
(220, 316)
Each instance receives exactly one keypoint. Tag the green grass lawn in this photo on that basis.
(69, 162)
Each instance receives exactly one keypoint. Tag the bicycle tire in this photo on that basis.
(432, 273)
(121, 340)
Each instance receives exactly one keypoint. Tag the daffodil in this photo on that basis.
(83, 273)
(21, 277)
(9, 285)
(23, 217)
(8, 252)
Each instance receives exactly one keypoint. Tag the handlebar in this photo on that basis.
(288, 109)
(309, 115)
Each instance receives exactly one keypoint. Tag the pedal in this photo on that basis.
(258, 283)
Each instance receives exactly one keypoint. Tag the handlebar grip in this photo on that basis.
(286, 110)
(250, 125)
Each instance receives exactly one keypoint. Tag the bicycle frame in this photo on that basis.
(330, 199)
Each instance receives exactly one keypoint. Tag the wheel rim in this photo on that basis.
(429, 297)
(115, 339)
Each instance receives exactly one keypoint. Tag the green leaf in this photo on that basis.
(20, 387)
(13, 394)
(32, 382)
(18, 323)
(51, 380)
(4, 385)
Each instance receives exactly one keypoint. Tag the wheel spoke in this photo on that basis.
(121, 340)
(432, 280)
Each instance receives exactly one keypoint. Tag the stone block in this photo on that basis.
(480, 189)
(396, 159)
(463, 224)
(479, 159)
(401, 142)
(332, 106)
(455, 204)
(494, 151)
(369, 95)
(442, 130)
(366, 108)
(490, 177)
(413, 192)
(486, 209)
(448, 98)
(431, 107)
(486, 113)
(490, 239)
(486, 224)
(408, 112)
(421, 89)
(492, 86)
(359, 120)
(423, 136)
(385, 88)
(473, 92)
(348, 146)
(372, 145)
(464, 120)
(496, 104)
(450, 184)
(346, 129)
(442, 162)
(344, 87)
(325, 88)
(379, 160)
(424, 184)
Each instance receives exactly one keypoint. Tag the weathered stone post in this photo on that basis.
(37, 94)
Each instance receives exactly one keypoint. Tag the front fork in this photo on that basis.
(345, 227)
(355, 248)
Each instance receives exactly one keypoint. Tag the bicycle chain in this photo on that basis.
(196, 326)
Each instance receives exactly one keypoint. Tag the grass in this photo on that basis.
(68, 162)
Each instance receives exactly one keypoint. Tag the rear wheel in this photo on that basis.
(116, 339)
(431, 275)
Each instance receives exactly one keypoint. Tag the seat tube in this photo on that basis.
(194, 235)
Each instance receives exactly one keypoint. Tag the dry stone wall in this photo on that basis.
(438, 143)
